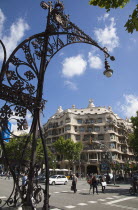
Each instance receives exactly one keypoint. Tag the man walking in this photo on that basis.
(74, 182)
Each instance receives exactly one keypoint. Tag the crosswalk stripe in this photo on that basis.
(124, 207)
(92, 201)
(119, 200)
(70, 207)
(82, 204)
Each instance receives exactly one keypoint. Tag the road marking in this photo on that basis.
(55, 209)
(65, 191)
(110, 198)
(56, 192)
(124, 207)
(70, 207)
(119, 200)
(82, 204)
(2, 197)
(116, 196)
(92, 201)
(101, 199)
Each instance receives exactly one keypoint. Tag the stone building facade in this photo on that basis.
(103, 133)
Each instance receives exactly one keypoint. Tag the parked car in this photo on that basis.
(40, 178)
(111, 175)
(119, 178)
(58, 179)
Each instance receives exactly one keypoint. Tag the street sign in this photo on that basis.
(104, 166)
(6, 133)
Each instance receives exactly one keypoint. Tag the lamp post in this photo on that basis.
(21, 87)
(109, 158)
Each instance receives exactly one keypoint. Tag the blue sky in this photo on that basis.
(75, 74)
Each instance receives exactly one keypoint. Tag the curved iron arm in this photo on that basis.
(25, 87)
(4, 61)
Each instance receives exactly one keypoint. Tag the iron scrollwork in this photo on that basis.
(21, 90)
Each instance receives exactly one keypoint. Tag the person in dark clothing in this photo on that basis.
(135, 184)
(74, 182)
(90, 183)
(107, 178)
(94, 185)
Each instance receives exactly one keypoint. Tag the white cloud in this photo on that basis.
(133, 40)
(104, 17)
(16, 32)
(108, 36)
(71, 85)
(74, 66)
(130, 105)
(2, 19)
(94, 61)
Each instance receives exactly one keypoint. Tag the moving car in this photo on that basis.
(58, 179)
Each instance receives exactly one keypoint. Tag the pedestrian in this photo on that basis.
(108, 178)
(90, 183)
(24, 179)
(24, 182)
(7, 175)
(135, 184)
(95, 184)
(103, 183)
(74, 183)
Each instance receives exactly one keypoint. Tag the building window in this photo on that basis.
(49, 132)
(112, 146)
(109, 119)
(92, 120)
(111, 127)
(79, 121)
(77, 137)
(112, 136)
(50, 125)
(92, 156)
(67, 120)
(61, 122)
(67, 136)
(67, 127)
(96, 128)
(82, 129)
(101, 137)
(99, 120)
(86, 137)
(89, 129)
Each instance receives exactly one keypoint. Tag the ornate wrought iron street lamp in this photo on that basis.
(21, 88)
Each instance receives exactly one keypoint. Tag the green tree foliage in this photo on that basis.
(132, 22)
(133, 138)
(40, 155)
(15, 146)
(68, 149)
(14, 149)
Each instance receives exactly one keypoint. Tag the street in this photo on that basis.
(115, 197)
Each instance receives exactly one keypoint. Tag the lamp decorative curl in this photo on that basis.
(21, 89)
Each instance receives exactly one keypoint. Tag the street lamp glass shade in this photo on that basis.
(108, 72)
